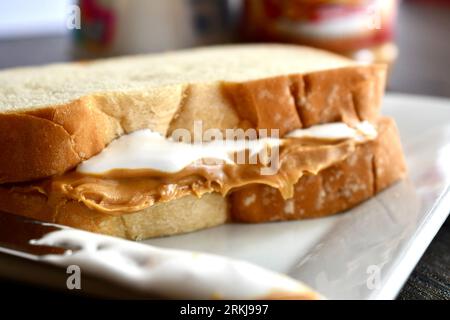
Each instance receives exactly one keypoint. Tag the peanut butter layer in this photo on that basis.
(124, 191)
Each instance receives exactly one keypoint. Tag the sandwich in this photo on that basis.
(162, 144)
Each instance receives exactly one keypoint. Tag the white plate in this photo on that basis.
(366, 253)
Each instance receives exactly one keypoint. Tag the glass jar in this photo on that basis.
(361, 29)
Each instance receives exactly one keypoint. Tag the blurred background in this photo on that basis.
(412, 36)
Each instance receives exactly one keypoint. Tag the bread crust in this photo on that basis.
(373, 167)
(53, 139)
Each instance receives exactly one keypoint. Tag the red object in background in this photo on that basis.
(358, 28)
(98, 25)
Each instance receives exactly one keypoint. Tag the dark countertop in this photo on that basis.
(423, 68)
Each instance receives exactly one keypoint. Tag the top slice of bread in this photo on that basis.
(24, 88)
(53, 117)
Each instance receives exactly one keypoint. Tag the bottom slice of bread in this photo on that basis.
(374, 166)
(178, 216)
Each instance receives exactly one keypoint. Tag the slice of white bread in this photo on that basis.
(54, 117)
(178, 216)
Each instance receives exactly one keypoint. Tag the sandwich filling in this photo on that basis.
(144, 168)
